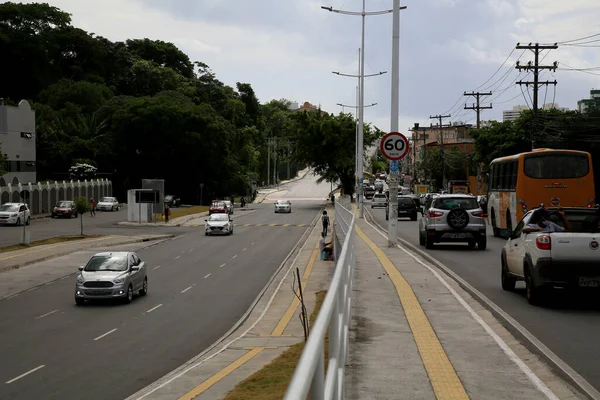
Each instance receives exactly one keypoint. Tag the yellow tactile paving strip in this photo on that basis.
(444, 380)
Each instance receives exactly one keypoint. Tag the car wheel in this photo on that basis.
(508, 282)
(205, 233)
(413, 218)
(75, 215)
(118, 208)
(129, 296)
(53, 215)
(144, 289)
(472, 244)
(482, 243)
(494, 226)
(18, 222)
(79, 301)
(421, 240)
(534, 294)
(429, 243)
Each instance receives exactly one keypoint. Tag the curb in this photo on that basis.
(184, 219)
(174, 374)
(525, 337)
(65, 252)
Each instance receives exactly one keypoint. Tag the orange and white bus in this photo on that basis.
(555, 178)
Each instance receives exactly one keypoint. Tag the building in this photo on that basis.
(593, 102)
(17, 138)
(509, 115)
(304, 107)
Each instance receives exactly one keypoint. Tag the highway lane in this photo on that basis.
(569, 326)
(203, 286)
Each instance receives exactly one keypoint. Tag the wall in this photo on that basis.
(43, 196)
(17, 134)
(137, 212)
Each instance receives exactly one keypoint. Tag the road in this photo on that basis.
(569, 327)
(199, 287)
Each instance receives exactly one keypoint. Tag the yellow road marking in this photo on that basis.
(289, 314)
(204, 386)
(272, 224)
(42, 248)
(286, 225)
(246, 224)
(444, 380)
(302, 225)
(259, 225)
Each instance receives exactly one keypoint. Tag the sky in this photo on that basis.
(289, 49)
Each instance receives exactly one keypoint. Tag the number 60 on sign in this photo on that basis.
(394, 146)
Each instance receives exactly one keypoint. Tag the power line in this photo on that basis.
(577, 40)
(536, 68)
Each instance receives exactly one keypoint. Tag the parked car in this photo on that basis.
(114, 275)
(218, 207)
(544, 260)
(172, 201)
(453, 218)
(406, 208)
(218, 224)
(379, 200)
(64, 209)
(108, 204)
(14, 214)
(284, 206)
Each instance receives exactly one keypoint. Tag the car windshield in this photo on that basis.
(168, 198)
(218, 204)
(64, 204)
(556, 166)
(457, 202)
(405, 201)
(282, 202)
(9, 208)
(380, 196)
(106, 200)
(218, 217)
(107, 263)
(586, 221)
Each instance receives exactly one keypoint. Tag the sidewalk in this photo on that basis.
(415, 335)
(271, 328)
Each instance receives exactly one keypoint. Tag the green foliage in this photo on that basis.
(82, 206)
(455, 159)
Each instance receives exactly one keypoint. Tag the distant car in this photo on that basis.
(453, 218)
(218, 224)
(64, 209)
(283, 206)
(229, 205)
(369, 192)
(407, 208)
(111, 275)
(108, 204)
(172, 201)
(379, 200)
(14, 214)
(218, 207)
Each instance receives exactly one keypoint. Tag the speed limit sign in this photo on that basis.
(394, 146)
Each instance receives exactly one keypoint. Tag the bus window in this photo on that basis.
(556, 166)
(514, 174)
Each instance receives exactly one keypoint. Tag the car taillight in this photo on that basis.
(543, 242)
(478, 213)
(434, 214)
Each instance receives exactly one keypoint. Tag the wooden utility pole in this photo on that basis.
(440, 118)
(536, 68)
(477, 106)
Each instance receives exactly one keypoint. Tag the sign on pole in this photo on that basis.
(393, 166)
(394, 146)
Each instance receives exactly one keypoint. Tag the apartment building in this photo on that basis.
(17, 138)
(593, 102)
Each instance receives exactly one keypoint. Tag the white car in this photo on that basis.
(284, 206)
(14, 214)
(379, 200)
(108, 204)
(218, 224)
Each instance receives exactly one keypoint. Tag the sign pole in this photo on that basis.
(395, 104)
(394, 146)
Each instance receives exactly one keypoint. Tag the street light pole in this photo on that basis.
(361, 96)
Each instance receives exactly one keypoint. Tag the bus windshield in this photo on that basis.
(556, 166)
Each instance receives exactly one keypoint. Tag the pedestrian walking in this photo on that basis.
(166, 213)
(92, 207)
(325, 221)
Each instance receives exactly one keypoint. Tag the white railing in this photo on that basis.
(334, 317)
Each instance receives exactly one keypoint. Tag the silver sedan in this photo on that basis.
(218, 224)
(284, 206)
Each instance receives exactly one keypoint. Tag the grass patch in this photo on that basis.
(182, 212)
(53, 240)
(271, 382)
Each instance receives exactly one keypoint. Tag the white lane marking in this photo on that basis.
(105, 334)
(13, 296)
(186, 289)
(222, 265)
(31, 289)
(177, 257)
(25, 374)
(47, 283)
(501, 343)
(234, 257)
(64, 277)
(154, 308)
(190, 250)
(245, 248)
(253, 243)
(207, 276)
(45, 315)
(157, 267)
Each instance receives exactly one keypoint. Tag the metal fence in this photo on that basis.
(334, 318)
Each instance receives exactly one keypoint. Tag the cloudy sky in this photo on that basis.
(288, 49)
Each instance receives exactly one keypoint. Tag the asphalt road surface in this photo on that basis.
(199, 287)
(569, 326)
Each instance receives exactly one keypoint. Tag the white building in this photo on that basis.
(17, 136)
(509, 115)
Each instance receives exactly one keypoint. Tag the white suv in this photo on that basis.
(379, 200)
(453, 218)
(14, 214)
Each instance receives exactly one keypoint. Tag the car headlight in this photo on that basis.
(80, 279)
(119, 280)
(14, 215)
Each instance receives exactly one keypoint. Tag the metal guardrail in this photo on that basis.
(333, 318)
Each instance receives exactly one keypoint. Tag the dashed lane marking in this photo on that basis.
(207, 275)
(154, 308)
(222, 265)
(31, 371)
(45, 315)
(186, 289)
(105, 334)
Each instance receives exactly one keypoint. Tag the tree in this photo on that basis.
(81, 207)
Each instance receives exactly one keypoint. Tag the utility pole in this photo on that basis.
(268, 161)
(478, 107)
(288, 159)
(275, 180)
(361, 77)
(439, 118)
(536, 68)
